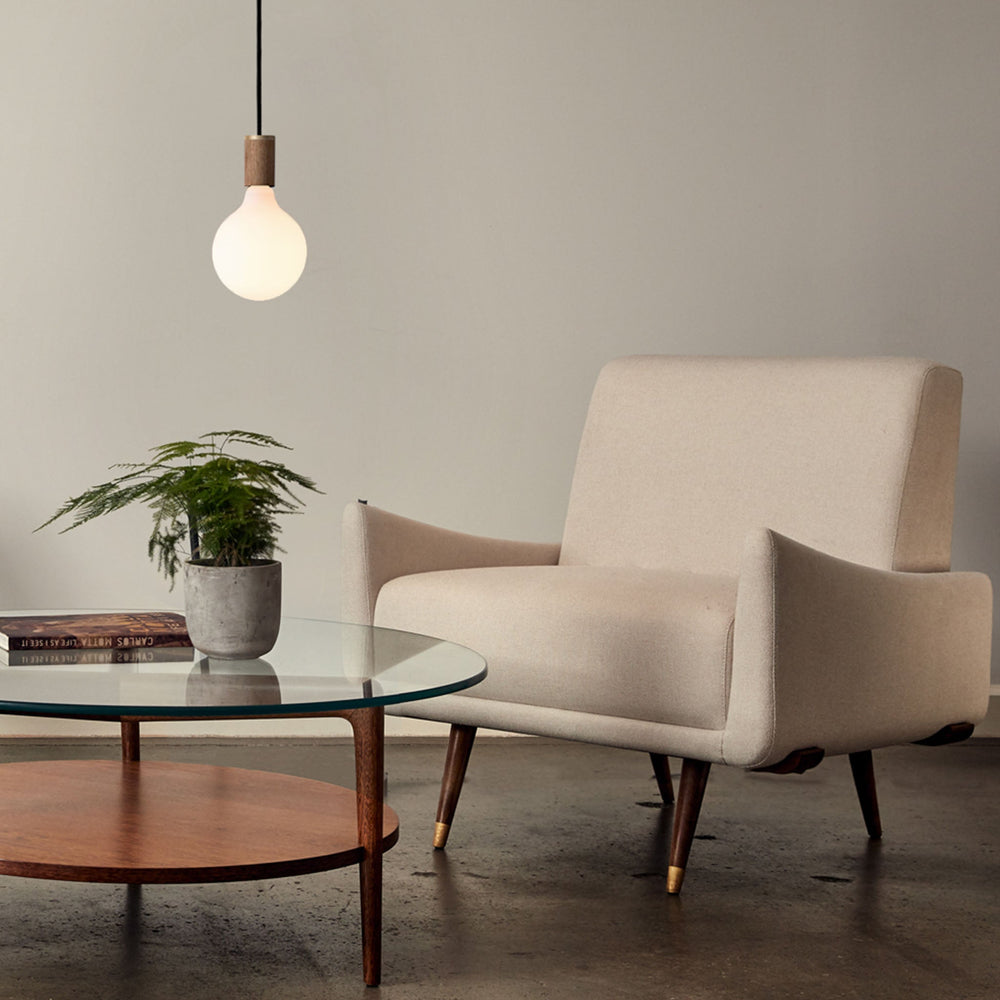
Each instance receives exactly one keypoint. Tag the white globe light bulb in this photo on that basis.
(259, 251)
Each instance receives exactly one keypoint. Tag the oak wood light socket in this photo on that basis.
(258, 160)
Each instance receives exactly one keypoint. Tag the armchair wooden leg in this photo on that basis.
(694, 778)
(460, 743)
(864, 781)
(661, 769)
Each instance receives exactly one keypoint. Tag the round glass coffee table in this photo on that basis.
(155, 822)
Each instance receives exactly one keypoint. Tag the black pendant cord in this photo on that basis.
(258, 67)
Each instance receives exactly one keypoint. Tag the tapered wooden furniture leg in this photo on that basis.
(863, 770)
(661, 769)
(694, 778)
(130, 753)
(130, 740)
(460, 743)
(369, 761)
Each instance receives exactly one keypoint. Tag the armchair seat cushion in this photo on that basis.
(650, 645)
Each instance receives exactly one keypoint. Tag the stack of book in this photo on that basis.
(96, 637)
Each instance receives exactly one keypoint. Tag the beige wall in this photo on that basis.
(498, 195)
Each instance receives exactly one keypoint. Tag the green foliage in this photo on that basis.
(223, 506)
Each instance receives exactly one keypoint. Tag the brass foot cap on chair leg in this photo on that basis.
(441, 831)
(675, 879)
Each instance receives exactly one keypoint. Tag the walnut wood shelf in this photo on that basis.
(155, 822)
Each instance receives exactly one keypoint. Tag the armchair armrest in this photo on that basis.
(379, 546)
(837, 655)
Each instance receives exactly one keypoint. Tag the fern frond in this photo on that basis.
(228, 504)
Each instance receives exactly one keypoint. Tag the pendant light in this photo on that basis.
(259, 251)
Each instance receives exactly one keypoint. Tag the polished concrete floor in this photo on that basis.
(553, 887)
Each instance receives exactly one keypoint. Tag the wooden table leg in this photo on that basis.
(130, 739)
(369, 761)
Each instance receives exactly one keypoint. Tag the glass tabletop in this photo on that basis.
(316, 666)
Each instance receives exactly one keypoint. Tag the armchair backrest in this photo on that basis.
(681, 457)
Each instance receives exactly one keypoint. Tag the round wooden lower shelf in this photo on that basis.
(153, 822)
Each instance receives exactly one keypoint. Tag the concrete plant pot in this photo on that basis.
(233, 612)
(213, 683)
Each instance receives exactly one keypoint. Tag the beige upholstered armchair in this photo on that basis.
(753, 571)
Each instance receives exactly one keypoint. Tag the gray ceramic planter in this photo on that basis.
(233, 612)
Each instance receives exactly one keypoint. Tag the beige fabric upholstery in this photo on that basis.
(652, 645)
(681, 457)
(754, 561)
(379, 546)
(832, 654)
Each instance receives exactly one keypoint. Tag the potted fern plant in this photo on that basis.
(214, 514)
